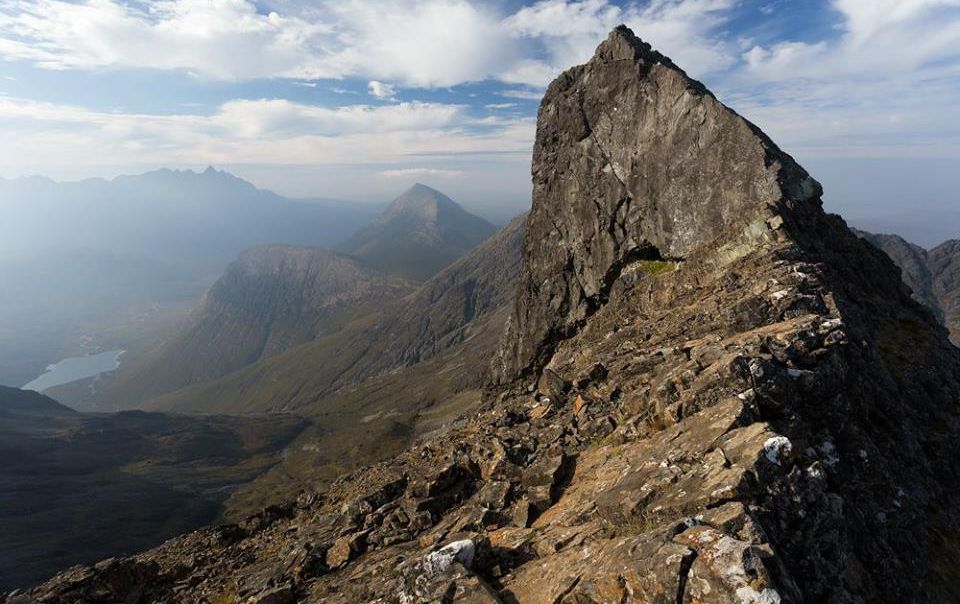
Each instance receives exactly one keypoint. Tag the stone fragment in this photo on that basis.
(344, 549)
(440, 561)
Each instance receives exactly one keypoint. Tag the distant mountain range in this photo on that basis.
(927, 228)
(197, 221)
(273, 298)
(112, 263)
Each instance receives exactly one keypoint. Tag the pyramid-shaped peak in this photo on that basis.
(420, 232)
(422, 188)
(423, 202)
(421, 195)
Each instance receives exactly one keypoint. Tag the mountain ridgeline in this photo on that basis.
(464, 304)
(707, 390)
(275, 298)
(270, 299)
(197, 220)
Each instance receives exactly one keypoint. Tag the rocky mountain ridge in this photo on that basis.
(464, 302)
(709, 391)
(933, 275)
(274, 298)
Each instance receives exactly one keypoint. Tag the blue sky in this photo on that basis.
(358, 98)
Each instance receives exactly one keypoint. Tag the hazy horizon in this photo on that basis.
(356, 101)
(903, 196)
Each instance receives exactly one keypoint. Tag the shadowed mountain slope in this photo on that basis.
(75, 488)
(934, 275)
(945, 264)
(709, 391)
(418, 234)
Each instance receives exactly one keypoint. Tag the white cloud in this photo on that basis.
(380, 89)
(414, 173)
(882, 86)
(264, 132)
(425, 43)
(226, 39)
(570, 31)
(525, 94)
(431, 43)
(880, 37)
(271, 117)
(500, 105)
(883, 82)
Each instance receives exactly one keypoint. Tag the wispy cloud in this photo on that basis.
(882, 85)
(569, 32)
(525, 94)
(381, 90)
(885, 80)
(268, 132)
(432, 43)
(413, 173)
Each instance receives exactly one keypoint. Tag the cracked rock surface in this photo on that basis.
(710, 392)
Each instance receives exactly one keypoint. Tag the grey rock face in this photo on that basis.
(633, 160)
(945, 265)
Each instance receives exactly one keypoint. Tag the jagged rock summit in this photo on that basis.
(635, 161)
(711, 391)
(419, 233)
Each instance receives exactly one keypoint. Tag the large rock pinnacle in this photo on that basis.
(633, 160)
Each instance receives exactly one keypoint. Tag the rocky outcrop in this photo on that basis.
(419, 233)
(710, 391)
(933, 276)
(446, 309)
(633, 161)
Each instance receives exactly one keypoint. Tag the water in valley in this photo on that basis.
(75, 368)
